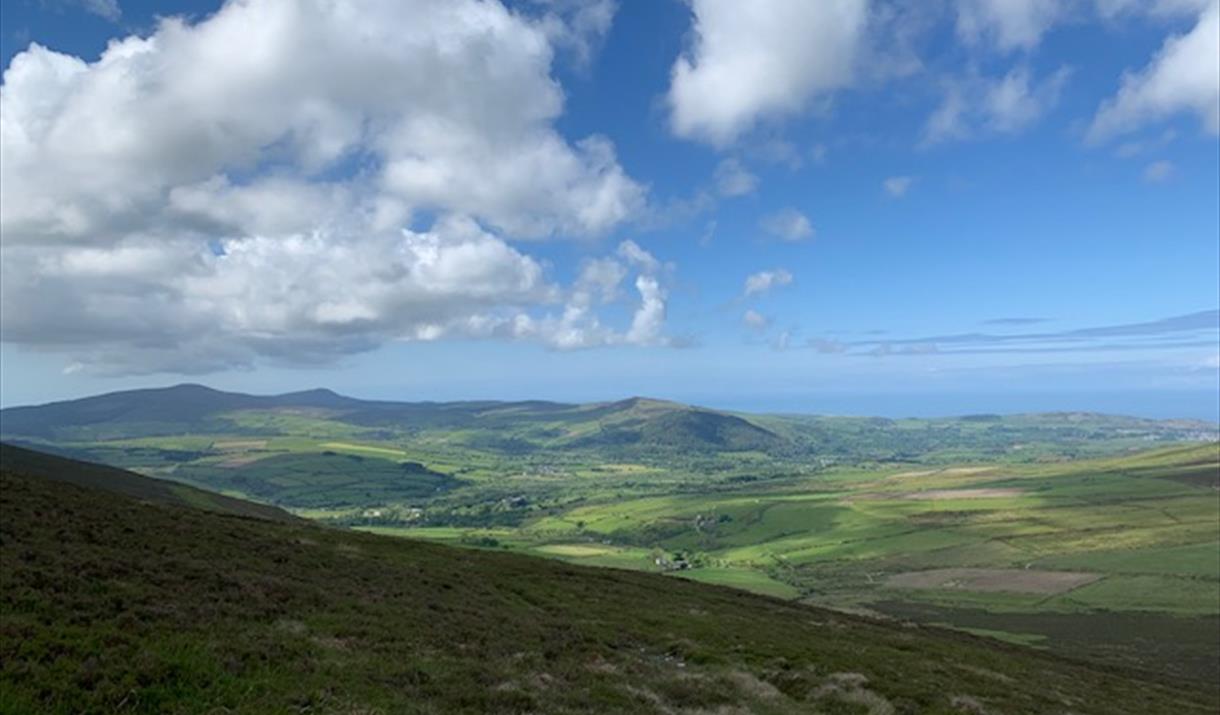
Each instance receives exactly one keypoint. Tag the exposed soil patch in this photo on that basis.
(1009, 580)
(235, 462)
(910, 475)
(981, 493)
(955, 471)
(239, 445)
(938, 494)
(576, 550)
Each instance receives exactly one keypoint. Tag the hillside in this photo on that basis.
(115, 604)
(193, 409)
(656, 423)
(16, 460)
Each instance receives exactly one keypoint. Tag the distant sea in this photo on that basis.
(1160, 404)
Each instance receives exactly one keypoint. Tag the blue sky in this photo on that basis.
(900, 208)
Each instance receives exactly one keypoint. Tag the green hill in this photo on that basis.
(115, 603)
(656, 423)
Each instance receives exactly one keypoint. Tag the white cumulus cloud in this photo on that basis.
(733, 179)
(579, 26)
(631, 252)
(752, 61)
(1009, 24)
(788, 225)
(178, 205)
(108, 9)
(1182, 78)
(754, 320)
(91, 148)
(763, 281)
(978, 106)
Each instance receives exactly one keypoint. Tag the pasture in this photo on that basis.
(1038, 546)
(1042, 550)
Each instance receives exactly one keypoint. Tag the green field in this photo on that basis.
(305, 479)
(1037, 529)
(118, 598)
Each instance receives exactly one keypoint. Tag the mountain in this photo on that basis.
(626, 429)
(164, 410)
(193, 409)
(657, 423)
(116, 603)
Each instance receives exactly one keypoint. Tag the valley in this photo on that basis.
(130, 600)
(564, 357)
(1087, 535)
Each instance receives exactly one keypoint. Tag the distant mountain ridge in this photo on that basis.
(627, 428)
(179, 403)
(185, 407)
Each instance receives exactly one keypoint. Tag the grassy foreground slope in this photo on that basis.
(114, 604)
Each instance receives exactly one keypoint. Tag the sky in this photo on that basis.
(888, 207)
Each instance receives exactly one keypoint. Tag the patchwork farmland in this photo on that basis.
(1085, 535)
